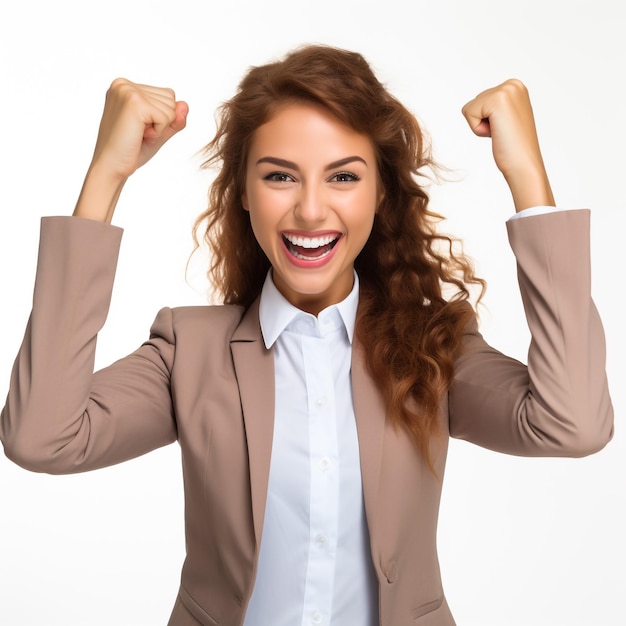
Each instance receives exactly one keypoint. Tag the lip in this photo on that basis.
(314, 263)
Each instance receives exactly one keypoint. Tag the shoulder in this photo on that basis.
(200, 323)
(223, 315)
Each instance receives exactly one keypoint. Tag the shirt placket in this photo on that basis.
(324, 476)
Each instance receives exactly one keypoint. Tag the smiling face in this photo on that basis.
(312, 192)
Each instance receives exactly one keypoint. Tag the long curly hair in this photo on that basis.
(411, 332)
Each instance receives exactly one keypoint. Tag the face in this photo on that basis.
(312, 192)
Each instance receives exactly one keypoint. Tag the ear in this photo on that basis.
(244, 201)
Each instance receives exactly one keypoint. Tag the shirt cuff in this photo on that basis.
(537, 210)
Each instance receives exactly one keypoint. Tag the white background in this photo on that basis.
(522, 541)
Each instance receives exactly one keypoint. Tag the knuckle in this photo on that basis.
(123, 91)
(118, 83)
(514, 85)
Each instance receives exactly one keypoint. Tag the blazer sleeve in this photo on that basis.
(59, 416)
(558, 404)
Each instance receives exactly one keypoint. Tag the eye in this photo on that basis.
(278, 177)
(344, 177)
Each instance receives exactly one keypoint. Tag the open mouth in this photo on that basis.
(310, 248)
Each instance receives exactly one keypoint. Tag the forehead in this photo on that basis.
(308, 130)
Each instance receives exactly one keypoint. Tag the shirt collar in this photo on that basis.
(276, 312)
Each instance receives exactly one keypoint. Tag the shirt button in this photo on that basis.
(322, 401)
(324, 463)
(320, 540)
(317, 617)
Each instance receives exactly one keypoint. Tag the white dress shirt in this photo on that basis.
(315, 564)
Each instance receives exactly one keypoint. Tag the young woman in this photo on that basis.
(313, 409)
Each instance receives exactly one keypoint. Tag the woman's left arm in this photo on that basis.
(558, 404)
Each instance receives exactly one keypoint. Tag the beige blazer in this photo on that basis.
(204, 378)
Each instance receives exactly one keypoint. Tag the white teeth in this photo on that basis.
(310, 242)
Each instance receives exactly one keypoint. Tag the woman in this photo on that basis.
(313, 409)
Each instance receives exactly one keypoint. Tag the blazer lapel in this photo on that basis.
(254, 368)
(370, 414)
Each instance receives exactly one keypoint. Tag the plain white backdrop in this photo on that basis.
(523, 542)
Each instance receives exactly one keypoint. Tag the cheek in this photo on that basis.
(258, 223)
(265, 218)
(263, 237)
(269, 201)
(362, 212)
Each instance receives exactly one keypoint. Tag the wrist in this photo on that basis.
(530, 187)
(99, 194)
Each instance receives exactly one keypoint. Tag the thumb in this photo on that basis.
(153, 136)
(476, 119)
(481, 127)
(180, 121)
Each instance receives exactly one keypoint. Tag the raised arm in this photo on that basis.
(59, 416)
(558, 404)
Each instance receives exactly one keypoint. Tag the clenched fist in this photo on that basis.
(505, 114)
(137, 120)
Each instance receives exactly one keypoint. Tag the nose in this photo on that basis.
(311, 205)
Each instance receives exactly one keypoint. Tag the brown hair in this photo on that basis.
(411, 332)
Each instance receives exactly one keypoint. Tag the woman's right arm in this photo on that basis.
(59, 416)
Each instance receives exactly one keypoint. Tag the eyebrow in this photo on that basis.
(293, 166)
